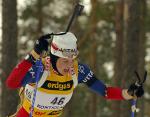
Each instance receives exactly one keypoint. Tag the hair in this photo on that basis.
(54, 61)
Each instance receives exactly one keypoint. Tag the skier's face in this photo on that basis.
(63, 65)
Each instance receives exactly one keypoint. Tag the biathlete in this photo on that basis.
(60, 76)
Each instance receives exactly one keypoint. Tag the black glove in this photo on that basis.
(136, 89)
(41, 45)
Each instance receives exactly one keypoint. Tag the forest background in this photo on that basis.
(113, 39)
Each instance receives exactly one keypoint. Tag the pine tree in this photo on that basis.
(9, 54)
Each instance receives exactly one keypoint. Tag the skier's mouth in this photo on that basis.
(66, 70)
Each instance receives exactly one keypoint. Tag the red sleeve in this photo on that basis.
(114, 93)
(16, 76)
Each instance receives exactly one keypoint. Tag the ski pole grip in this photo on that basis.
(79, 8)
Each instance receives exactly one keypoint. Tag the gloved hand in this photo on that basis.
(41, 46)
(136, 90)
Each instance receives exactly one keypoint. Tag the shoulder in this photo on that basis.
(83, 68)
(84, 72)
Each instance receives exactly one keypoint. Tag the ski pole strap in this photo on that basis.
(39, 68)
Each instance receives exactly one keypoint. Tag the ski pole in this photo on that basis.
(134, 108)
(77, 12)
(39, 68)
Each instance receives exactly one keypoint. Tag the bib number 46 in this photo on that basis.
(58, 101)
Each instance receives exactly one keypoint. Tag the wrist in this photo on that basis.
(30, 58)
(35, 54)
(126, 95)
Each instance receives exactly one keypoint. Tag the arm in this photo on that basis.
(21, 74)
(18, 74)
(87, 77)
